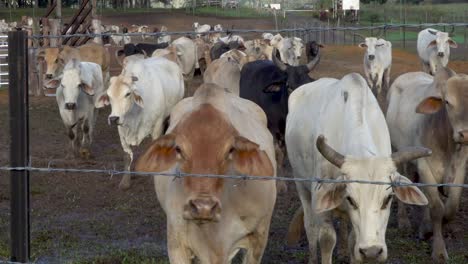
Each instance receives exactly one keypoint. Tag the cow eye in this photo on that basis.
(56, 60)
(352, 202)
(179, 153)
(379, 45)
(447, 103)
(128, 94)
(386, 202)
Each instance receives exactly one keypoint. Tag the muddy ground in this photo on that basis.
(84, 218)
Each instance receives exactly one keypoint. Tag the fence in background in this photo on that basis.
(3, 61)
(19, 130)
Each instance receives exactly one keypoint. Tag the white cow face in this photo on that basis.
(368, 206)
(72, 85)
(123, 97)
(443, 43)
(373, 46)
(298, 46)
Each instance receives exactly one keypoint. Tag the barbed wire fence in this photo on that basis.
(20, 164)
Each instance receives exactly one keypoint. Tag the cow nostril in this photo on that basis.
(380, 252)
(371, 57)
(70, 106)
(48, 76)
(440, 54)
(113, 120)
(362, 252)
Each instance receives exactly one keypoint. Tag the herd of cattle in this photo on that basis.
(256, 102)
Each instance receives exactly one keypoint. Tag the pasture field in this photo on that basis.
(84, 218)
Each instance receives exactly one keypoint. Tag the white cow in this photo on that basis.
(336, 130)
(200, 28)
(377, 63)
(163, 38)
(432, 111)
(218, 27)
(230, 38)
(225, 72)
(290, 49)
(186, 55)
(141, 98)
(81, 83)
(434, 46)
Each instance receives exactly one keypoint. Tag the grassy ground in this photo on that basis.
(390, 13)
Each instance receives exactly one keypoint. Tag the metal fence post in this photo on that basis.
(19, 149)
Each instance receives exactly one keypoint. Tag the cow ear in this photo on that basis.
(160, 156)
(362, 45)
(430, 105)
(41, 55)
(432, 43)
(452, 43)
(102, 101)
(408, 194)
(249, 159)
(137, 98)
(86, 88)
(329, 196)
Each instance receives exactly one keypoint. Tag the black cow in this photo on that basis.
(312, 49)
(219, 48)
(267, 83)
(140, 48)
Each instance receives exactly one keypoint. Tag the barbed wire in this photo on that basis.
(232, 31)
(179, 174)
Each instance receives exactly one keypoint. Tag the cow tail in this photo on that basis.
(296, 228)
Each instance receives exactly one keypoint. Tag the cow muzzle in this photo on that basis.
(113, 120)
(49, 76)
(204, 209)
(440, 54)
(371, 57)
(373, 252)
(70, 106)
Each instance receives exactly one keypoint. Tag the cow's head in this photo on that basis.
(195, 25)
(442, 43)
(73, 85)
(373, 46)
(368, 206)
(123, 97)
(453, 98)
(298, 46)
(296, 75)
(54, 62)
(192, 147)
(218, 27)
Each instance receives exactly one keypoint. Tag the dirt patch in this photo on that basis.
(85, 218)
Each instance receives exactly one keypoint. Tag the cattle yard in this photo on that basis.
(85, 218)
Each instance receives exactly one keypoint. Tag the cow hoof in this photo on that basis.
(85, 154)
(439, 252)
(281, 187)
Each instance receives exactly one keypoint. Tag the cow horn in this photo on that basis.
(313, 63)
(277, 61)
(409, 154)
(329, 153)
(432, 32)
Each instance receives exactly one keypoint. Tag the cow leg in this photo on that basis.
(128, 159)
(178, 253)
(310, 221)
(327, 238)
(258, 241)
(73, 136)
(436, 206)
(86, 127)
(457, 169)
(279, 153)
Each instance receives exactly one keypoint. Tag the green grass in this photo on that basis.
(123, 257)
(390, 13)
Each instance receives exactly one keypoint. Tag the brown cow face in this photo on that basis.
(54, 63)
(454, 98)
(205, 143)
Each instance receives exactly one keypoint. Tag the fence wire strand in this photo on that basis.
(232, 31)
(179, 174)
